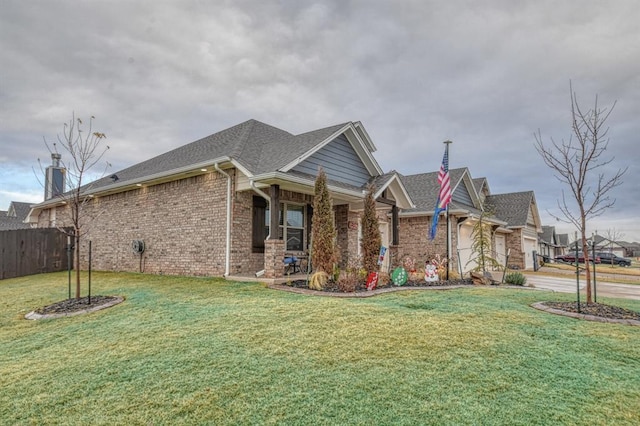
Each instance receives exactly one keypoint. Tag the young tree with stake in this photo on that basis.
(577, 163)
(83, 152)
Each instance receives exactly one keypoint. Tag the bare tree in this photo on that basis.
(84, 151)
(613, 235)
(577, 164)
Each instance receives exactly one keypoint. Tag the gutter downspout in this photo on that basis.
(227, 251)
(266, 197)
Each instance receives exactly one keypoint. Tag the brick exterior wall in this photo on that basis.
(273, 257)
(513, 242)
(414, 241)
(182, 223)
(243, 260)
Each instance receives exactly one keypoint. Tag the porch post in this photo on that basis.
(394, 224)
(274, 222)
(274, 247)
(273, 259)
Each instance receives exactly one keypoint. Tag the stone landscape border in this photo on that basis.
(35, 316)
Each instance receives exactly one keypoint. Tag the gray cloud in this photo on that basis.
(160, 74)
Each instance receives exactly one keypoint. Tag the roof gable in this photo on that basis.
(515, 208)
(423, 188)
(353, 133)
(14, 217)
(339, 161)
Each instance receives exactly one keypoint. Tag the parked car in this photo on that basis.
(571, 258)
(613, 259)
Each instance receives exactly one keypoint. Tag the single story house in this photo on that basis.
(205, 208)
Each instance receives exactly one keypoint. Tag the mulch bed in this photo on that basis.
(596, 309)
(333, 287)
(74, 305)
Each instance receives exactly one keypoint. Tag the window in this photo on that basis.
(259, 230)
(292, 230)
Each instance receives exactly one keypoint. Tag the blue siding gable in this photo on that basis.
(462, 196)
(339, 161)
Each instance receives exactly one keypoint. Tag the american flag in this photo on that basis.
(444, 196)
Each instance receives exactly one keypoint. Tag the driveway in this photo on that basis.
(568, 285)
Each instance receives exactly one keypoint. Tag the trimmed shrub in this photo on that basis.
(323, 232)
(371, 239)
(515, 278)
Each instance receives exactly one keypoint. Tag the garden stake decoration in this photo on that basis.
(372, 281)
(383, 251)
(399, 276)
(441, 267)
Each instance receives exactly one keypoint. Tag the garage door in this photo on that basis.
(464, 248)
(529, 246)
(501, 250)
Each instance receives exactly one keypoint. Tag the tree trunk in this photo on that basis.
(77, 265)
(585, 254)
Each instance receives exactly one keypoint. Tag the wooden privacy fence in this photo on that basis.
(32, 251)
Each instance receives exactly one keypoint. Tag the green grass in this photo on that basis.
(205, 351)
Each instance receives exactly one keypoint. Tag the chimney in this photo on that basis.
(54, 180)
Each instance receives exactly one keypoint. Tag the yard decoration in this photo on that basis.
(409, 263)
(441, 265)
(372, 281)
(383, 251)
(430, 273)
(399, 276)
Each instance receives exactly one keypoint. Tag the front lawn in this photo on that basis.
(207, 351)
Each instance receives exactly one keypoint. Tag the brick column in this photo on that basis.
(273, 259)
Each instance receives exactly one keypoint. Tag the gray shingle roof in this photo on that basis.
(563, 240)
(423, 189)
(512, 208)
(19, 210)
(14, 217)
(478, 183)
(381, 180)
(547, 234)
(257, 146)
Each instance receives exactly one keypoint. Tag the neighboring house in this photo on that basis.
(563, 241)
(14, 218)
(603, 244)
(552, 244)
(631, 249)
(513, 218)
(205, 208)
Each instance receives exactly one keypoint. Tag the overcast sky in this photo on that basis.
(484, 74)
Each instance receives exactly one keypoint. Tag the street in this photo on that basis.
(568, 285)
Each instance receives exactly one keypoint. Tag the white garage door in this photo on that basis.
(529, 247)
(501, 249)
(464, 248)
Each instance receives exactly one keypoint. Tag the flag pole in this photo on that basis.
(446, 144)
